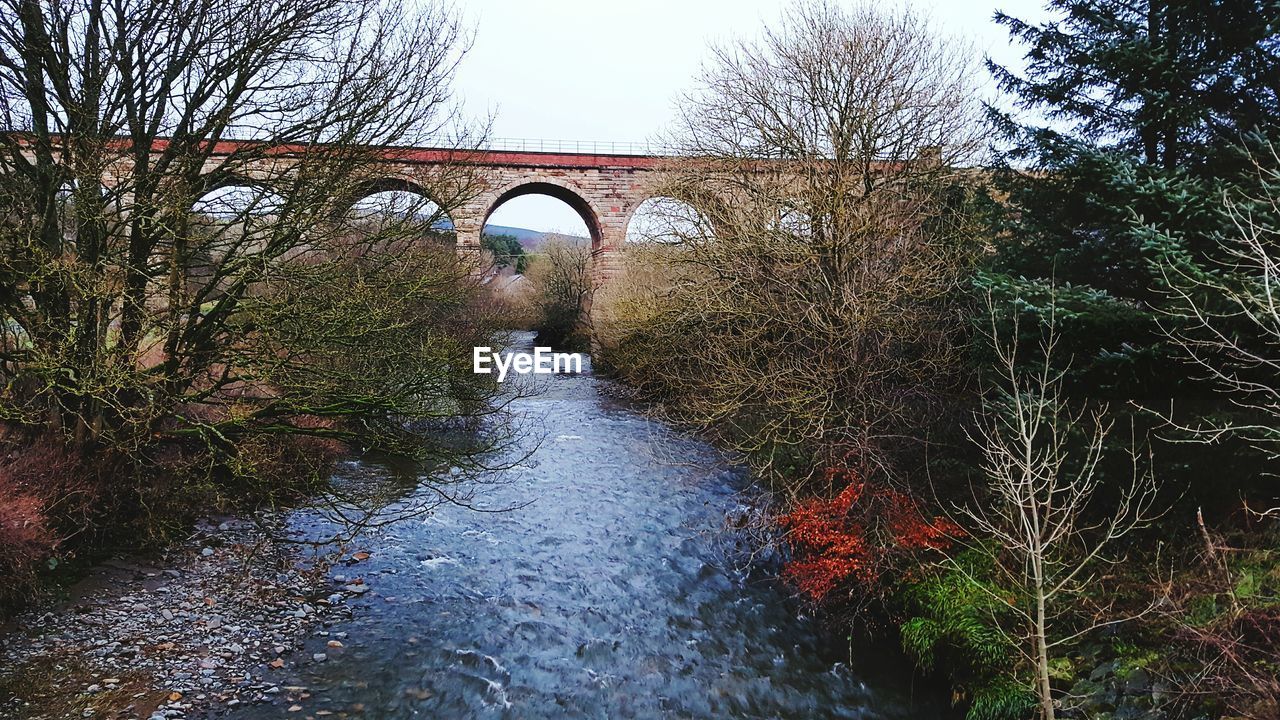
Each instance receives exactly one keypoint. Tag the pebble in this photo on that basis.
(158, 639)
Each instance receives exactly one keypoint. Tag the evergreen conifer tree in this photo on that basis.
(1129, 121)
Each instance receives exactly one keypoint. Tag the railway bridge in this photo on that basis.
(604, 183)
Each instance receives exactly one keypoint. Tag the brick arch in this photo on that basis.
(222, 181)
(705, 204)
(557, 188)
(602, 187)
(389, 183)
(226, 180)
(229, 181)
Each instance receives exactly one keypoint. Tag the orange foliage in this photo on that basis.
(854, 538)
(44, 490)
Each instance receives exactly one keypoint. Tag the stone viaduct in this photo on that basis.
(605, 189)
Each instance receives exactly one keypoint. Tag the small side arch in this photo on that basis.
(682, 214)
(224, 178)
(343, 203)
(224, 193)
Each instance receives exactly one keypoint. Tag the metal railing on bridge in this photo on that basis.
(587, 147)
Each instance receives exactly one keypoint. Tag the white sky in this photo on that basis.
(612, 69)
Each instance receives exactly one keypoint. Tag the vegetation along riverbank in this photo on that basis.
(998, 343)
(1015, 408)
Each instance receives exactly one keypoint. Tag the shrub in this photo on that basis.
(562, 283)
(953, 626)
(1225, 611)
(26, 539)
(47, 496)
(861, 542)
(812, 309)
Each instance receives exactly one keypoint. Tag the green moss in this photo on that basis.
(1256, 577)
(1062, 668)
(1202, 610)
(1136, 660)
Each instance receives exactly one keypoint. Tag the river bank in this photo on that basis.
(205, 624)
(592, 575)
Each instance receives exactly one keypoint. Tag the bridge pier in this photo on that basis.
(467, 228)
(606, 264)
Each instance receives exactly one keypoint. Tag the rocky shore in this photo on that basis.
(202, 626)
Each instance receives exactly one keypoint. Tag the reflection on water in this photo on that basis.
(602, 595)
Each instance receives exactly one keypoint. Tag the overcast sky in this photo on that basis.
(612, 70)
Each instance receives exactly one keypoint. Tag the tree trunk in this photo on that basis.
(1042, 659)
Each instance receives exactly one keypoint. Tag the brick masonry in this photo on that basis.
(604, 190)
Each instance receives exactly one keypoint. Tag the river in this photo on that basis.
(605, 594)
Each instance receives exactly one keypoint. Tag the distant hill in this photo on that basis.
(528, 239)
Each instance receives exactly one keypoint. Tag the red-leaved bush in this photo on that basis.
(856, 541)
(26, 539)
(44, 494)
(49, 494)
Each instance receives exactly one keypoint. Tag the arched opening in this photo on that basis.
(793, 221)
(396, 210)
(527, 219)
(666, 221)
(550, 231)
(536, 210)
(65, 207)
(238, 200)
(233, 221)
(236, 217)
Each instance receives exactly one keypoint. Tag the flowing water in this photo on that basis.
(606, 593)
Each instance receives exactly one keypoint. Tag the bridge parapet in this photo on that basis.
(579, 147)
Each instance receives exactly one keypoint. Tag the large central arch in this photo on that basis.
(556, 188)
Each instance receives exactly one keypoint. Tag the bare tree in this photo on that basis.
(1225, 314)
(807, 313)
(178, 263)
(1043, 502)
(562, 289)
(862, 88)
